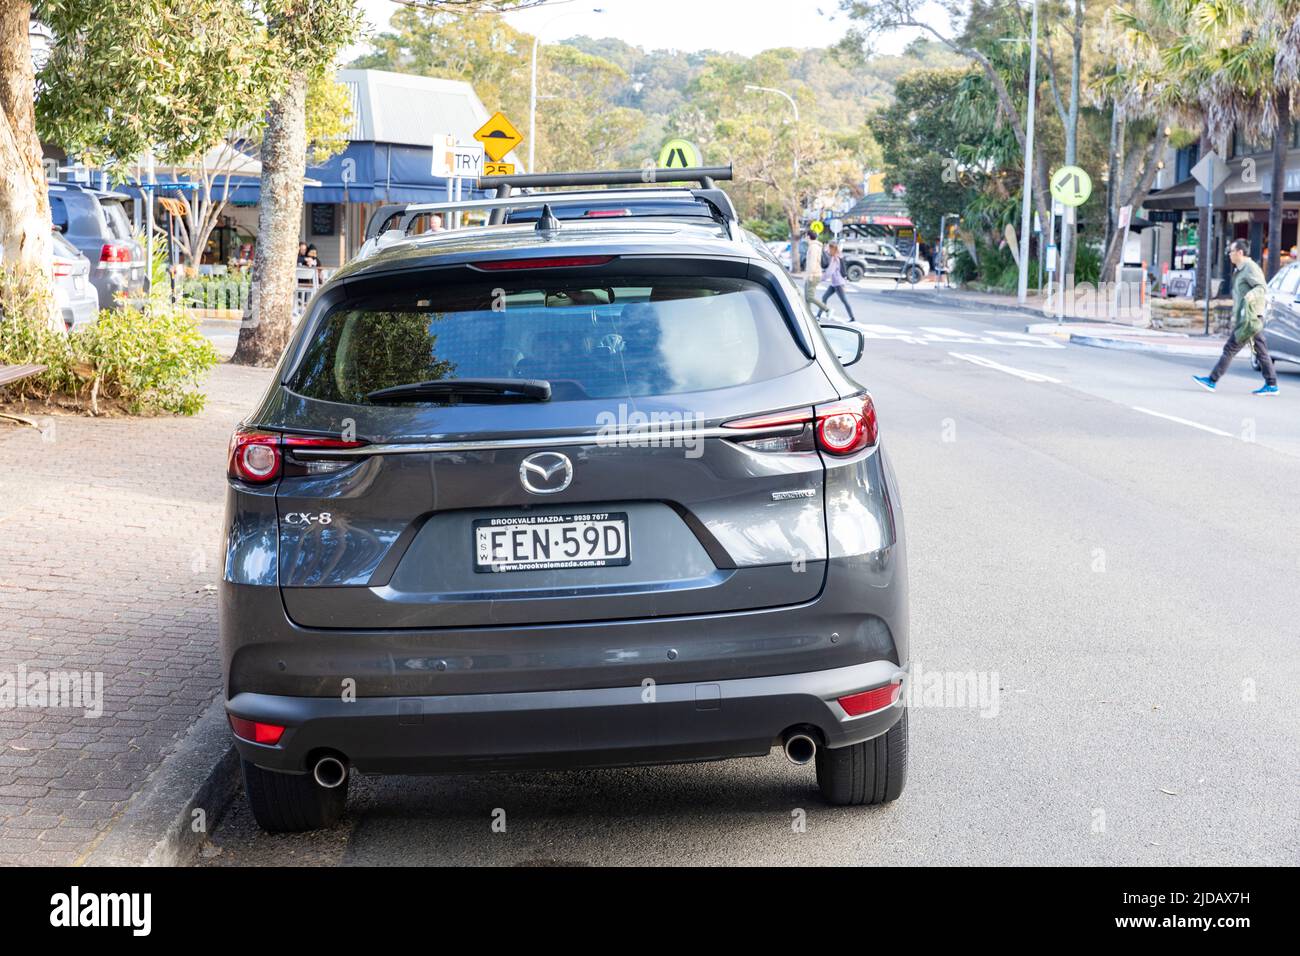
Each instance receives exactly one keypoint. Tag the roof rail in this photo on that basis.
(706, 176)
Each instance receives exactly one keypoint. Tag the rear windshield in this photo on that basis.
(616, 338)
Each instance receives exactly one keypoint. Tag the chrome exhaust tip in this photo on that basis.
(800, 749)
(330, 772)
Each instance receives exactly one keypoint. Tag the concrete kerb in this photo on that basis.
(162, 826)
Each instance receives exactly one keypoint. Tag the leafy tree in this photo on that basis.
(582, 123)
(303, 38)
(920, 152)
(776, 158)
(122, 80)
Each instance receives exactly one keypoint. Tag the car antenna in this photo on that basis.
(547, 222)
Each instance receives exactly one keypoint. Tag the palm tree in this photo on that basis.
(1282, 17)
(1220, 57)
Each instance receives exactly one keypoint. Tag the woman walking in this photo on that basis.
(835, 276)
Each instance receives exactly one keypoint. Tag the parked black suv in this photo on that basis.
(574, 492)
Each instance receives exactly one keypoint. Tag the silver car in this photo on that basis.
(74, 296)
(97, 223)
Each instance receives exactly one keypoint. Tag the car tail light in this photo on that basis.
(847, 426)
(64, 267)
(800, 440)
(855, 705)
(299, 461)
(254, 456)
(258, 456)
(841, 428)
(546, 262)
(256, 731)
(606, 213)
(115, 254)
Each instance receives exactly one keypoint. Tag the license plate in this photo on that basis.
(549, 542)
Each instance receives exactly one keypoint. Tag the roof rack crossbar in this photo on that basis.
(705, 176)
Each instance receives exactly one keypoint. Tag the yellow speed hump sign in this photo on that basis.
(679, 154)
(498, 136)
(1071, 186)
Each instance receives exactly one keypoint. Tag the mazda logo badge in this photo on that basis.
(546, 473)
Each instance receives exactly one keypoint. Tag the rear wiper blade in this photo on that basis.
(534, 389)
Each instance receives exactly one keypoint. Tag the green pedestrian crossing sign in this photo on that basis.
(679, 154)
(1071, 186)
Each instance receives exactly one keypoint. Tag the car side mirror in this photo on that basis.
(847, 342)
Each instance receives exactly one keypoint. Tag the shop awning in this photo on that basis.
(1245, 188)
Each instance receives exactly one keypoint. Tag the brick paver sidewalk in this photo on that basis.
(109, 556)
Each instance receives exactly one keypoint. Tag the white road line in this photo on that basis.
(1182, 421)
(1017, 372)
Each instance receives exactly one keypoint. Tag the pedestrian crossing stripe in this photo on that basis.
(941, 335)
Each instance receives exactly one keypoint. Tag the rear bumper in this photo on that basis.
(596, 727)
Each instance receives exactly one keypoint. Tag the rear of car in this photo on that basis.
(1282, 315)
(599, 500)
(74, 296)
(99, 226)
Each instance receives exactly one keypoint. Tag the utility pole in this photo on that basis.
(1022, 286)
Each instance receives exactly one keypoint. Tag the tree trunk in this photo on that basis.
(795, 261)
(1112, 186)
(1281, 136)
(24, 205)
(269, 317)
(1144, 177)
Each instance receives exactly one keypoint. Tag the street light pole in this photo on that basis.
(532, 92)
(1022, 286)
(751, 88)
(794, 152)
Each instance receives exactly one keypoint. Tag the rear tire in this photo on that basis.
(291, 803)
(865, 774)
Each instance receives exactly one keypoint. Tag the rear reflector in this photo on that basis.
(255, 731)
(855, 705)
(546, 262)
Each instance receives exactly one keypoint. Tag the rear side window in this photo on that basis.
(58, 213)
(611, 338)
(1290, 280)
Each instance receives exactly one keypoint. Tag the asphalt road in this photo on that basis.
(1113, 547)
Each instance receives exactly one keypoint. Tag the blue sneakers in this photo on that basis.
(1205, 382)
(1266, 390)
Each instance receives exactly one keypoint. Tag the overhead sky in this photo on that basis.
(740, 26)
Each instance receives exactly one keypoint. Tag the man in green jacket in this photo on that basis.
(1248, 297)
